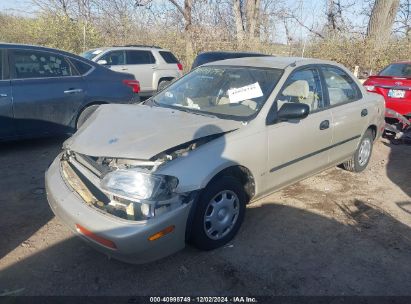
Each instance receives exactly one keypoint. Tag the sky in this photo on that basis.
(310, 12)
(16, 6)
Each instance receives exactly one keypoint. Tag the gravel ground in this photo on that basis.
(336, 233)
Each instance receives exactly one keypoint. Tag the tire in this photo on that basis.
(220, 209)
(163, 84)
(362, 155)
(85, 114)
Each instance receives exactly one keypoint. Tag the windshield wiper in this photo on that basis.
(187, 110)
(203, 114)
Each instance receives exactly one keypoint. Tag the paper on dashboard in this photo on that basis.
(247, 92)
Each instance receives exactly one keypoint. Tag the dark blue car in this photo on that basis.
(45, 91)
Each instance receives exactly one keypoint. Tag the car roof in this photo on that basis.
(145, 48)
(271, 62)
(212, 56)
(401, 61)
(41, 48)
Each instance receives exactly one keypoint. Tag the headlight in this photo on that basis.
(137, 185)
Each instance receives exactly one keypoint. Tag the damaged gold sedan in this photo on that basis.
(139, 181)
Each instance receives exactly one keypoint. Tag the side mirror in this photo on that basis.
(293, 110)
(102, 62)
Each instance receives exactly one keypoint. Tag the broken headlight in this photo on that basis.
(133, 184)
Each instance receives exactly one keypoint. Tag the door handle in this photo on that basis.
(153, 67)
(3, 95)
(73, 91)
(324, 124)
(364, 112)
(124, 69)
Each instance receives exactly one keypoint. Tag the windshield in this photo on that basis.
(397, 69)
(226, 92)
(91, 54)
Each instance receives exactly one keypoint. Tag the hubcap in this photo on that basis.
(364, 152)
(221, 214)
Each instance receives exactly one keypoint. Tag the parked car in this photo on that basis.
(394, 84)
(46, 91)
(182, 166)
(153, 67)
(207, 57)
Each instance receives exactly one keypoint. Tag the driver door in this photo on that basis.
(299, 148)
(115, 60)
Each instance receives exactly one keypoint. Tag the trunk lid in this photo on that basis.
(396, 91)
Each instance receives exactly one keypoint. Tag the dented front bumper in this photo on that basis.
(131, 238)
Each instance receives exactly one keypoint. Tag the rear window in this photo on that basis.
(168, 57)
(81, 67)
(139, 57)
(397, 69)
(91, 54)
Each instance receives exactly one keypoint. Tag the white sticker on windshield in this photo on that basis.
(248, 92)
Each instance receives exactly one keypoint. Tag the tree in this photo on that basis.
(246, 15)
(381, 21)
(335, 21)
(402, 24)
(186, 12)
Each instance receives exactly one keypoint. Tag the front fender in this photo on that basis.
(195, 169)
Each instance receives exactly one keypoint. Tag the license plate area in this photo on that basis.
(396, 93)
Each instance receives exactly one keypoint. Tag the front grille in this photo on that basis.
(91, 163)
(88, 171)
(81, 185)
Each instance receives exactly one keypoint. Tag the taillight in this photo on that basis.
(134, 84)
(180, 66)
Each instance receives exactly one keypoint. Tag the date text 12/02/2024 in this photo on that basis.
(239, 299)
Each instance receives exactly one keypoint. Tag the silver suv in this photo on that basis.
(152, 66)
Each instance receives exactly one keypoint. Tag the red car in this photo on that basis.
(394, 83)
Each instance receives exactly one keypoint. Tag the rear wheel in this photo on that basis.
(163, 84)
(85, 114)
(362, 155)
(219, 213)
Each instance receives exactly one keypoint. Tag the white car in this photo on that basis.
(154, 67)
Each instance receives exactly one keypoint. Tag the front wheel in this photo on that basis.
(219, 213)
(85, 114)
(362, 155)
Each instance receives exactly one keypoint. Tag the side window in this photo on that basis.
(114, 58)
(341, 87)
(168, 57)
(37, 64)
(303, 86)
(140, 57)
(81, 66)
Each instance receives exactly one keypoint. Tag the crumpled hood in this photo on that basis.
(141, 131)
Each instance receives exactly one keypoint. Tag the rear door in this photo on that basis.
(7, 128)
(142, 65)
(349, 112)
(47, 92)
